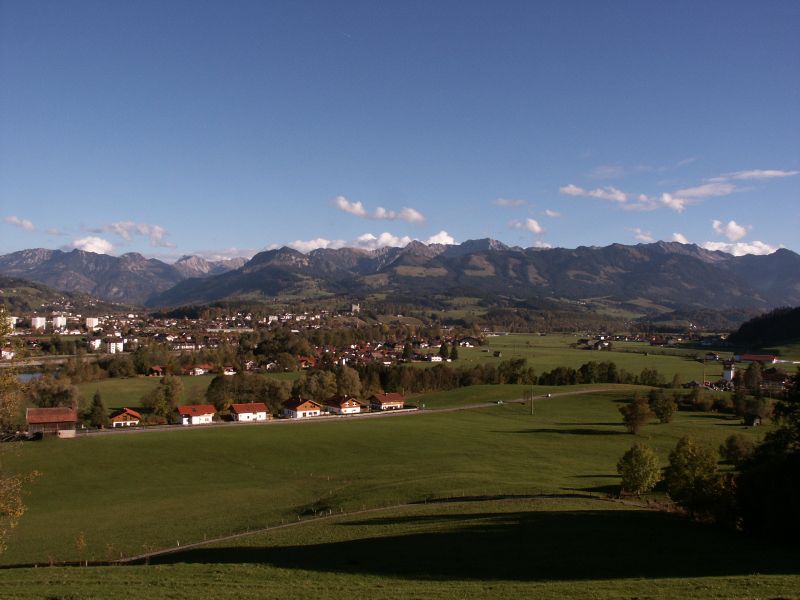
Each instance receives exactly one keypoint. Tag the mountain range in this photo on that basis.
(662, 274)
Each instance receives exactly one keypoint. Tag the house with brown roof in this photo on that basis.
(125, 417)
(392, 401)
(250, 411)
(59, 420)
(297, 408)
(343, 405)
(196, 414)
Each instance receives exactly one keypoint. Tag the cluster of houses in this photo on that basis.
(62, 421)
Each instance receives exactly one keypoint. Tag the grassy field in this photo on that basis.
(129, 391)
(510, 548)
(128, 493)
(545, 353)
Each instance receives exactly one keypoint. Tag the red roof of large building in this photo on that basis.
(58, 414)
(390, 398)
(342, 401)
(126, 411)
(249, 407)
(296, 403)
(195, 410)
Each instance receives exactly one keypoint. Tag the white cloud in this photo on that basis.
(309, 245)
(21, 223)
(93, 244)
(642, 235)
(607, 172)
(762, 174)
(553, 214)
(680, 238)
(441, 238)
(707, 190)
(354, 208)
(369, 241)
(531, 225)
(741, 248)
(128, 229)
(541, 244)
(731, 230)
(508, 202)
(572, 190)
(670, 201)
(411, 215)
(605, 193)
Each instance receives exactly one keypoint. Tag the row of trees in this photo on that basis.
(759, 496)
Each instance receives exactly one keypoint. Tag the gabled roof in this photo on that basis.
(195, 410)
(58, 414)
(389, 398)
(296, 403)
(341, 401)
(249, 407)
(126, 411)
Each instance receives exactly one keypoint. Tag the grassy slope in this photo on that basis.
(192, 484)
(188, 484)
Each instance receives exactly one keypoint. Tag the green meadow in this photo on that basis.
(547, 352)
(129, 391)
(489, 502)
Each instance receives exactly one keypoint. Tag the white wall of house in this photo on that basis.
(250, 416)
(202, 419)
(351, 410)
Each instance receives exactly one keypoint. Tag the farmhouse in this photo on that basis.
(762, 358)
(343, 405)
(297, 408)
(196, 414)
(59, 420)
(125, 417)
(251, 411)
(393, 401)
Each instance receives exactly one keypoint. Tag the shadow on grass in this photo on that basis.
(570, 431)
(520, 546)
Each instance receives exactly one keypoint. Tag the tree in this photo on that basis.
(766, 488)
(454, 352)
(11, 485)
(444, 351)
(635, 414)
(165, 398)
(348, 382)
(752, 378)
(662, 405)
(97, 414)
(47, 392)
(407, 351)
(736, 448)
(693, 480)
(639, 469)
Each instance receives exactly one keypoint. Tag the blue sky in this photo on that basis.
(224, 128)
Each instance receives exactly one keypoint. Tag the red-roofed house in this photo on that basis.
(59, 420)
(125, 417)
(251, 411)
(297, 408)
(343, 405)
(762, 358)
(393, 401)
(196, 414)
